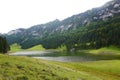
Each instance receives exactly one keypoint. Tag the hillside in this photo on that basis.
(95, 28)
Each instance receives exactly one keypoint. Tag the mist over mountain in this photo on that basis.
(94, 28)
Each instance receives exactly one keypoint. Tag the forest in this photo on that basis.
(95, 35)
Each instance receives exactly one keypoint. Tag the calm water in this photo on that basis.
(30, 53)
(67, 58)
(40, 55)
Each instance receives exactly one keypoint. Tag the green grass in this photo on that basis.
(105, 70)
(106, 50)
(37, 47)
(62, 48)
(15, 47)
(23, 68)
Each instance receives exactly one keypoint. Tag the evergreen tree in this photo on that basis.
(4, 47)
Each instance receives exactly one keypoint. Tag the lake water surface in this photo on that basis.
(40, 55)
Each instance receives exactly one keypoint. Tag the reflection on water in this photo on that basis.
(67, 58)
(30, 53)
(41, 55)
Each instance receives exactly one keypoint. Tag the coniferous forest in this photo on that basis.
(4, 47)
(96, 35)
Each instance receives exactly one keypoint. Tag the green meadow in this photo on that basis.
(16, 47)
(38, 47)
(25, 68)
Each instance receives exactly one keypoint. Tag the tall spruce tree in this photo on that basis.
(4, 47)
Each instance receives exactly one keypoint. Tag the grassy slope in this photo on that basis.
(15, 47)
(106, 70)
(23, 68)
(109, 50)
(38, 47)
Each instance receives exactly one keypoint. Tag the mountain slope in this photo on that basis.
(56, 33)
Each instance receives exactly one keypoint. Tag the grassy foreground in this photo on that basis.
(105, 70)
(24, 68)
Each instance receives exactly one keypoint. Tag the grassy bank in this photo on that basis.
(106, 50)
(105, 70)
(16, 48)
(24, 68)
(38, 47)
